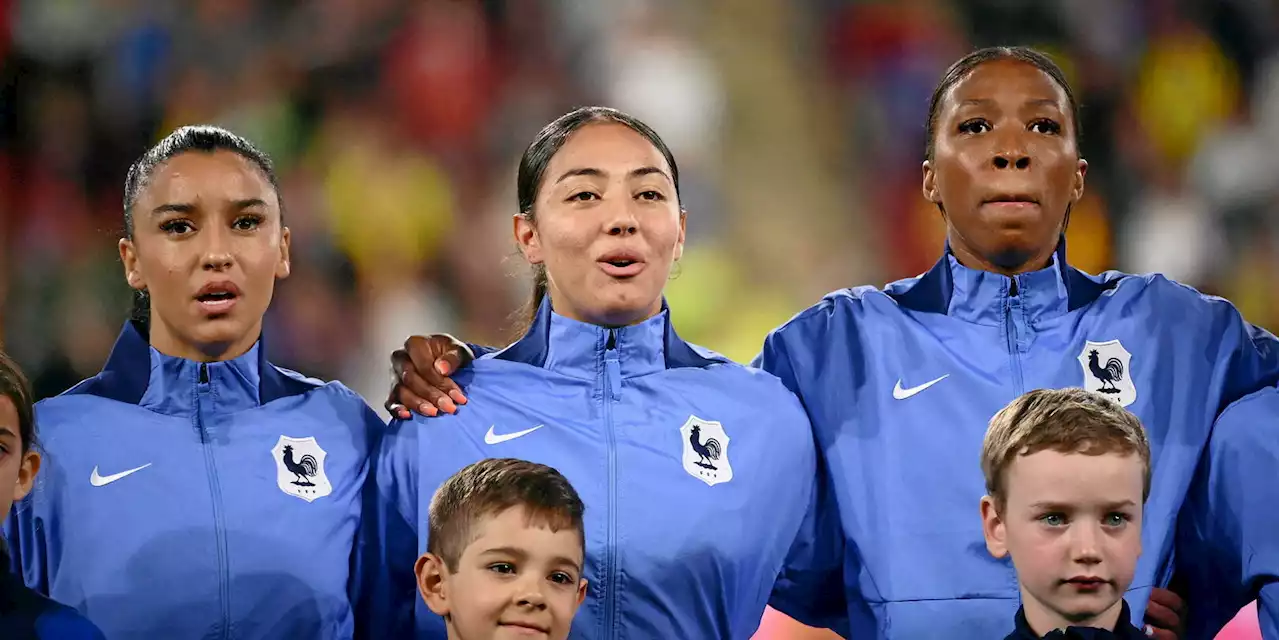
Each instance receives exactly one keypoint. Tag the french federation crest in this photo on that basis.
(706, 451)
(300, 468)
(1106, 371)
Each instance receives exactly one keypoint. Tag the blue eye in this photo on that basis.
(1054, 519)
(1115, 519)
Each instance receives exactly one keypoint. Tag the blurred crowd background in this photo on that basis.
(798, 125)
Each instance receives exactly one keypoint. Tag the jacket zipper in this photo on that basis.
(1014, 327)
(215, 490)
(612, 387)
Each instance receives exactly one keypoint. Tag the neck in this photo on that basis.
(1044, 619)
(973, 260)
(166, 341)
(609, 319)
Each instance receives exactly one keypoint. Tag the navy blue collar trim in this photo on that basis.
(932, 292)
(532, 347)
(128, 372)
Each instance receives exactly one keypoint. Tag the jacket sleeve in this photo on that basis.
(1253, 361)
(388, 546)
(810, 588)
(1228, 527)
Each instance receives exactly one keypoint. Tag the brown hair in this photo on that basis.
(1064, 420)
(489, 487)
(14, 386)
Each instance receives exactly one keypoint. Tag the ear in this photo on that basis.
(26, 474)
(680, 240)
(929, 183)
(284, 266)
(993, 528)
(129, 258)
(527, 238)
(1077, 189)
(582, 592)
(432, 583)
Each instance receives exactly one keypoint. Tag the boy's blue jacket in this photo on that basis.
(696, 474)
(168, 507)
(900, 384)
(1231, 516)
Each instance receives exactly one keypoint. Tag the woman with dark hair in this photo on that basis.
(899, 382)
(194, 489)
(696, 472)
(24, 613)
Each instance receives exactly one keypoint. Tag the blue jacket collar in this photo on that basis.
(979, 296)
(577, 348)
(136, 373)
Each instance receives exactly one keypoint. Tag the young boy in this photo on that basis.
(505, 552)
(1067, 475)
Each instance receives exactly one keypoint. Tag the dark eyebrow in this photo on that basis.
(986, 102)
(591, 171)
(187, 208)
(7, 432)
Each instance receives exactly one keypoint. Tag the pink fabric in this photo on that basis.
(775, 626)
(1244, 626)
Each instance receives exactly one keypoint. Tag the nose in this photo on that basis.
(530, 596)
(1084, 545)
(217, 250)
(622, 221)
(1010, 152)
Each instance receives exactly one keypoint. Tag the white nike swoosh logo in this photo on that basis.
(100, 481)
(902, 394)
(493, 438)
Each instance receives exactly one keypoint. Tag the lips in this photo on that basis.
(526, 628)
(1087, 583)
(621, 263)
(218, 297)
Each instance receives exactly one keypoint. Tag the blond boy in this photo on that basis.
(1067, 474)
(505, 553)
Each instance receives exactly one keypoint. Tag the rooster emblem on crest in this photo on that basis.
(1107, 375)
(1107, 369)
(303, 469)
(706, 451)
(300, 468)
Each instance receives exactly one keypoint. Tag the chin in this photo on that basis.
(220, 331)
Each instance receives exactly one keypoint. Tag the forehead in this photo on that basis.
(1006, 80)
(196, 175)
(514, 528)
(606, 145)
(1074, 478)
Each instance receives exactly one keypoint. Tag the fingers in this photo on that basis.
(1162, 618)
(422, 388)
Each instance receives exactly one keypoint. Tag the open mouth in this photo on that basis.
(218, 298)
(621, 264)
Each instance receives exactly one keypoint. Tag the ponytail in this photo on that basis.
(141, 311)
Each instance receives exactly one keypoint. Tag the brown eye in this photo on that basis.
(582, 196)
(976, 125)
(1048, 127)
(177, 227)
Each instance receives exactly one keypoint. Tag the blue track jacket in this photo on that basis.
(182, 500)
(1231, 517)
(900, 384)
(696, 474)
